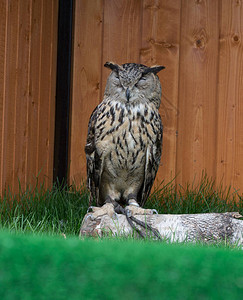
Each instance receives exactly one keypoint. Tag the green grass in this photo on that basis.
(204, 197)
(36, 262)
(35, 267)
(44, 211)
(56, 210)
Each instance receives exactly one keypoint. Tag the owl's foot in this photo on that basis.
(106, 209)
(134, 209)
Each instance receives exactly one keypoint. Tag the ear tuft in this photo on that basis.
(154, 69)
(112, 66)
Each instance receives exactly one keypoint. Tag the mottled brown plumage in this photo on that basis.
(124, 140)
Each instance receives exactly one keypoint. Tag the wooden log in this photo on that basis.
(208, 227)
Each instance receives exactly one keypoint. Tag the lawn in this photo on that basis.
(37, 262)
(60, 210)
(40, 267)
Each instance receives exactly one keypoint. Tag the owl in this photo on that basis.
(124, 141)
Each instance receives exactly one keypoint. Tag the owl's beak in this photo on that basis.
(128, 94)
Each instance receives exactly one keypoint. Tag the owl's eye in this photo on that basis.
(141, 82)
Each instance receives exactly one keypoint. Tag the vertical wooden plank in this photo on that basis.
(196, 147)
(47, 82)
(160, 45)
(42, 87)
(87, 53)
(230, 96)
(3, 28)
(34, 91)
(43, 95)
(52, 90)
(20, 130)
(27, 90)
(122, 33)
(10, 96)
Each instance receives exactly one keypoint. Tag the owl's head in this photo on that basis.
(132, 82)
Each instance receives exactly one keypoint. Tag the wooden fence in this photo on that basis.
(201, 44)
(199, 41)
(28, 40)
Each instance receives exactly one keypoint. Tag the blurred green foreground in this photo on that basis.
(36, 267)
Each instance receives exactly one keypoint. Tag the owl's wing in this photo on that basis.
(93, 161)
(153, 155)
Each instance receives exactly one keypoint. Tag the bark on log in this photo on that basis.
(209, 227)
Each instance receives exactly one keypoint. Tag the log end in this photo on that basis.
(89, 226)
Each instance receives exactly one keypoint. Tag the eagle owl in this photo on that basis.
(124, 140)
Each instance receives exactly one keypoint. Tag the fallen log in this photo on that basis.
(208, 227)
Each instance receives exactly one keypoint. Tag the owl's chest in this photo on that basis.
(123, 133)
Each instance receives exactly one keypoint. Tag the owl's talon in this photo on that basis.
(106, 209)
(155, 211)
(92, 217)
(128, 212)
(133, 210)
(88, 217)
(90, 208)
